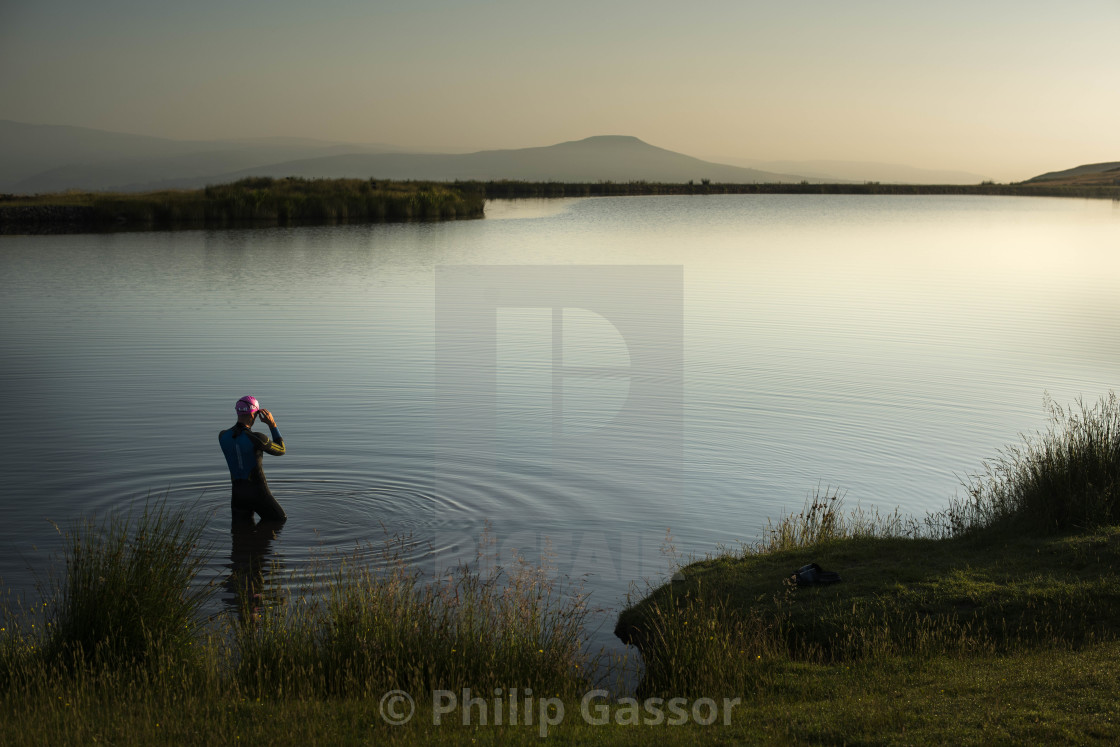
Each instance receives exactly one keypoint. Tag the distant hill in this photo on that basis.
(1093, 174)
(46, 158)
(617, 158)
(865, 171)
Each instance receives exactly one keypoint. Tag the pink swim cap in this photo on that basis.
(247, 405)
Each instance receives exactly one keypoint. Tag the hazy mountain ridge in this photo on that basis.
(601, 158)
(52, 158)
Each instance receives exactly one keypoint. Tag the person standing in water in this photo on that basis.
(244, 450)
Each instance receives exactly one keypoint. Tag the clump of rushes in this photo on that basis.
(823, 520)
(1066, 478)
(695, 646)
(396, 629)
(127, 596)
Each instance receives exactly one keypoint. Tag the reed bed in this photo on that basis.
(126, 604)
(255, 201)
(380, 630)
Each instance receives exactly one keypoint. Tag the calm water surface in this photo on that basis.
(882, 345)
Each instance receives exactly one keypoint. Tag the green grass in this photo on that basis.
(1036, 696)
(984, 595)
(125, 597)
(508, 627)
(996, 621)
(119, 638)
(1066, 478)
(1022, 563)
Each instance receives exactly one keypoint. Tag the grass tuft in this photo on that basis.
(1065, 478)
(126, 595)
(823, 521)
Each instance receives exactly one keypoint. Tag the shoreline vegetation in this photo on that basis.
(267, 202)
(253, 202)
(994, 620)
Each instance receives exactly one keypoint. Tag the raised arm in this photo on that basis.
(275, 446)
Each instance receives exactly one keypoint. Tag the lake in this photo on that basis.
(570, 377)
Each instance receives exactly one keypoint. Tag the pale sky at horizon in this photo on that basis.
(1003, 89)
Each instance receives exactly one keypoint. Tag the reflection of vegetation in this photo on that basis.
(257, 201)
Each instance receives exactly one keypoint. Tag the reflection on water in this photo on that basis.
(884, 345)
(252, 562)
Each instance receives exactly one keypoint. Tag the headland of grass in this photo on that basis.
(256, 201)
(995, 620)
(1012, 583)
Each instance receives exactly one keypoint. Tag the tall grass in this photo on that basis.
(823, 519)
(127, 593)
(955, 583)
(395, 629)
(693, 646)
(1067, 477)
(125, 608)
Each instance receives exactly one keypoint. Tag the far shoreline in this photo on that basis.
(265, 202)
(518, 189)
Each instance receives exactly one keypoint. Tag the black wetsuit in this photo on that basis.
(244, 450)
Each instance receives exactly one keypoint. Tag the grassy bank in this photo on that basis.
(1035, 697)
(996, 620)
(257, 201)
(1014, 578)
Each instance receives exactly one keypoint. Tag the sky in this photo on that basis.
(1005, 89)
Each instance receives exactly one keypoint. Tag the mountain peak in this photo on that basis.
(613, 141)
(129, 163)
